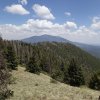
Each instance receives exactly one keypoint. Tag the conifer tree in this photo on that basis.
(33, 65)
(11, 58)
(74, 75)
(95, 82)
(4, 74)
(62, 66)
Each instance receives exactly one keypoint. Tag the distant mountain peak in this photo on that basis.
(44, 38)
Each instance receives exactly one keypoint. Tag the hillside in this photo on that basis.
(93, 50)
(53, 50)
(30, 86)
(67, 51)
(52, 56)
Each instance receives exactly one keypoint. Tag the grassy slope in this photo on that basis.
(26, 88)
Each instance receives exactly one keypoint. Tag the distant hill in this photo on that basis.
(44, 38)
(94, 50)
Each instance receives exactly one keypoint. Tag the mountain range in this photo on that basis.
(92, 49)
(44, 38)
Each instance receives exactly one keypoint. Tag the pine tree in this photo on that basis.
(45, 65)
(4, 74)
(62, 66)
(95, 82)
(11, 58)
(33, 65)
(74, 75)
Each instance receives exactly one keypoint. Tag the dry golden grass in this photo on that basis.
(38, 87)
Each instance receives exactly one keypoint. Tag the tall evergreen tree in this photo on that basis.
(74, 75)
(95, 82)
(33, 65)
(62, 66)
(11, 58)
(45, 65)
(4, 74)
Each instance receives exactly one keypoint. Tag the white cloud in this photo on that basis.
(67, 13)
(16, 9)
(68, 30)
(23, 2)
(96, 23)
(43, 12)
(71, 25)
(85, 35)
(33, 27)
(95, 19)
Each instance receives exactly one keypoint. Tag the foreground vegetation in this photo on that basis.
(29, 86)
(4, 75)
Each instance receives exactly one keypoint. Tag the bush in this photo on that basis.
(53, 81)
(94, 82)
(57, 75)
(36, 84)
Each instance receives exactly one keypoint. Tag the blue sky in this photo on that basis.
(82, 10)
(77, 20)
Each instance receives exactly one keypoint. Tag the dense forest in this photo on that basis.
(64, 62)
(63, 51)
(53, 57)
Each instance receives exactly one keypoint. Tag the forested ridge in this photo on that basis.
(52, 57)
(61, 52)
